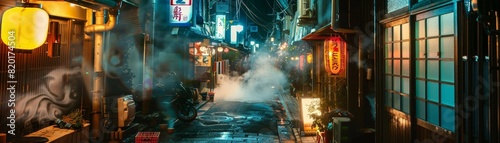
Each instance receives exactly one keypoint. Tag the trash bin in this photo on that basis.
(211, 95)
(204, 96)
(195, 95)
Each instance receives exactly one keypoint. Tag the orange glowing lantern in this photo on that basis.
(25, 27)
(335, 55)
(309, 58)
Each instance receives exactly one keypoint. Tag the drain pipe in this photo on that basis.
(147, 61)
(97, 97)
(99, 27)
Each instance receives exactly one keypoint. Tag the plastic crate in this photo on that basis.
(147, 137)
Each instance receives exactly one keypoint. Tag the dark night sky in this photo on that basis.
(261, 17)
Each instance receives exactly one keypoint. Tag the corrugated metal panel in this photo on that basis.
(128, 20)
(425, 135)
(127, 36)
(31, 68)
(396, 127)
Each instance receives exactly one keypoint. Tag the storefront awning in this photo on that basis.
(324, 33)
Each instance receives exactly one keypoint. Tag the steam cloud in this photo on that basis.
(50, 100)
(261, 83)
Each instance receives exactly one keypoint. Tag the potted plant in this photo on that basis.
(73, 120)
(322, 122)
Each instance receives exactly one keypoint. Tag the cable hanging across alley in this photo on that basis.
(252, 16)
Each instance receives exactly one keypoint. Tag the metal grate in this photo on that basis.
(31, 71)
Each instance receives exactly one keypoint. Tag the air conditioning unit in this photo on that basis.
(341, 130)
(305, 12)
(287, 24)
(126, 110)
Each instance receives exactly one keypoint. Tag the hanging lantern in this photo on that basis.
(25, 27)
(335, 55)
(309, 58)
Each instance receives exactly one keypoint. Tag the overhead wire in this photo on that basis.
(258, 9)
(284, 8)
(255, 21)
(253, 14)
(255, 18)
(238, 8)
(269, 4)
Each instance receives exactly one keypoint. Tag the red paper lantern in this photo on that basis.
(335, 55)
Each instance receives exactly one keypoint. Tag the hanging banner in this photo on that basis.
(181, 12)
(335, 58)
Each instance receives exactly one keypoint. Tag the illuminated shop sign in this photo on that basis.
(309, 107)
(335, 55)
(220, 29)
(235, 29)
(181, 12)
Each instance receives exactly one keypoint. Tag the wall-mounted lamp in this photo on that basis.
(25, 27)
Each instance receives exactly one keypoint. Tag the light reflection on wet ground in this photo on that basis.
(229, 121)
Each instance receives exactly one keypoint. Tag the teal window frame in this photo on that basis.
(434, 71)
(435, 87)
(397, 67)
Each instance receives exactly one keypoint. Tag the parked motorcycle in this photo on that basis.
(182, 101)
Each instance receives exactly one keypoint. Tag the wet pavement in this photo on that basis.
(231, 122)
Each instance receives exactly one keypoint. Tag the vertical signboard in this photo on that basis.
(220, 29)
(309, 107)
(181, 12)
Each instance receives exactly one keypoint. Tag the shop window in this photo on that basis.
(446, 47)
(396, 84)
(432, 91)
(396, 101)
(406, 101)
(435, 70)
(432, 113)
(447, 71)
(420, 109)
(448, 118)
(420, 86)
(406, 67)
(397, 67)
(420, 71)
